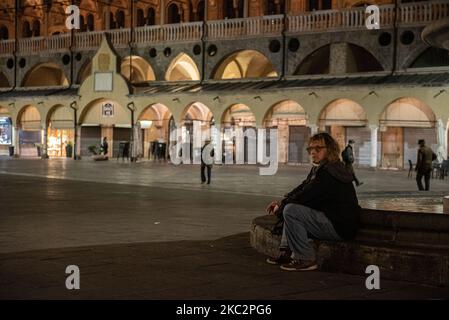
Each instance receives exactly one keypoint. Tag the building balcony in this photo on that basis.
(411, 14)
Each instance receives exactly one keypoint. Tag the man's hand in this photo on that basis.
(273, 207)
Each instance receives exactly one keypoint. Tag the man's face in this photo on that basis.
(317, 151)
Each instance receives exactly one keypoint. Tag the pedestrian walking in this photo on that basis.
(348, 158)
(423, 167)
(206, 164)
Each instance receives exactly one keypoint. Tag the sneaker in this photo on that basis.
(300, 266)
(284, 258)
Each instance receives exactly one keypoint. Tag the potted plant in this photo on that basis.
(69, 149)
(96, 155)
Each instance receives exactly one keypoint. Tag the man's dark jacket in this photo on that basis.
(329, 189)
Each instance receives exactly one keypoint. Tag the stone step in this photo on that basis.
(407, 257)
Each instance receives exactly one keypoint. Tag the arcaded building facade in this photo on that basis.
(135, 70)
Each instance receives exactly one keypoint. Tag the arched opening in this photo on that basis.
(104, 118)
(120, 19)
(313, 5)
(4, 33)
(154, 124)
(290, 120)
(344, 120)
(60, 132)
(196, 116)
(45, 75)
(361, 60)
(30, 132)
(4, 83)
(136, 69)
(36, 28)
(26, 30)
(112, 22)
(90, 22)
(140, 18)
(239, 118)
(173, 14)
(83, 26)
(245, 64)
(274, 7)
(233, 9)
(432, 57)
(151, 17)
(200, 11)
(315, 63)
(402, 124)
(182, 68)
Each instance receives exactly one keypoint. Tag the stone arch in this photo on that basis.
(60, 130)
(316, 62)
(154, 121)
(30, 130)
(45, 74)
(402, 122)
(238, 114)
(173, 12)
(346, 120)
(290, 120)
(182, 68)
(137, 69)
(431, 57)
(244, 64)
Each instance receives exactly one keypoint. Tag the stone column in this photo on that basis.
(15, 141)
(162, 12)
(78, 142)
(374, 129)
(313, 129)
(217, 142)
(107, 18)
(245, 8)
(44, 138)
(441, 131)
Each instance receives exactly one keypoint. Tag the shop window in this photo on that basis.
(5, 131)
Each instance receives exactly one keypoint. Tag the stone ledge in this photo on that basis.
(410, 259)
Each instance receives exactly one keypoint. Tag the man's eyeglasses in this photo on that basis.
(316, 148)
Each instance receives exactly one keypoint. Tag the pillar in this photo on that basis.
(162, 12)
(442, 141)
(15, 140)
(374, 129)
(313, 129)
(44, 138)
(77, 142)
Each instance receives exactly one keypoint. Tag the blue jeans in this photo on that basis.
(300, 222)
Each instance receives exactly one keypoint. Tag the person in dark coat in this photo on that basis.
(206, 164)
(324, 207)
(348, 158)
(424, 165)
(105, 146)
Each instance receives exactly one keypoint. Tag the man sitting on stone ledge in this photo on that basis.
(324, 207)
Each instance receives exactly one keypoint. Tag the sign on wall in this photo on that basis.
(5, 130)
(107, 109)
